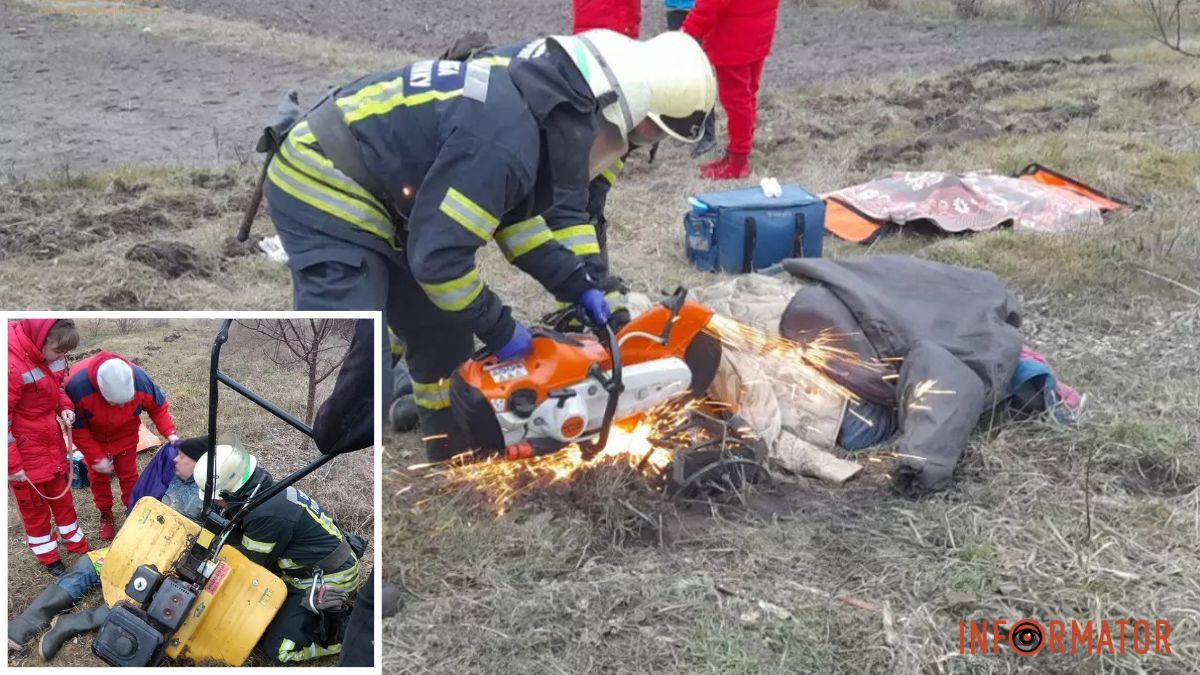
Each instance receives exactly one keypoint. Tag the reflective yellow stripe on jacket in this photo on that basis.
(348, 580)
(473, 217)
(580, 239)
(613, 171)
(520, 238)
(455, 294)
(305, 174)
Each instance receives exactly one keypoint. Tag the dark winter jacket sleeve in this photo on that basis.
(458, 208)
(346, 420)
(940, 401)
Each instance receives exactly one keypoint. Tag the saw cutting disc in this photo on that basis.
(703, 357)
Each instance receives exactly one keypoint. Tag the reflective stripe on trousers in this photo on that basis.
(432, 395)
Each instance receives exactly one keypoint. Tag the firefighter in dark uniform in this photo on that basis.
(384, 191)
(577, 216)
(291, 535)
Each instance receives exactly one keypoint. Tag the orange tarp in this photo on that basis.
(146, 439)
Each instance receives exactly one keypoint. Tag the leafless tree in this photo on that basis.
(317, 346)
(1170, 20)
(1058, 11)
(967, 9)
(126, 326)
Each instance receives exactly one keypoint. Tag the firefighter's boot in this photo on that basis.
(27, 624)
(67, 626)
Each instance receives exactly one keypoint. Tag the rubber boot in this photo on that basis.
(403, 414)
(26, 625)
(108, 526)
(67, 626)
(736, 166)
(709, 140)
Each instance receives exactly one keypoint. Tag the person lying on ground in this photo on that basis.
(110, 394)
(37, 452)
(927, 349)
(176, 489)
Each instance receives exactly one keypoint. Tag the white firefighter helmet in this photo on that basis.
(234, 466)
(667, 80)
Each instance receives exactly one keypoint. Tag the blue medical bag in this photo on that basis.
(740, 231)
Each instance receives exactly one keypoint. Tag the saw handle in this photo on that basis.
(614, 385)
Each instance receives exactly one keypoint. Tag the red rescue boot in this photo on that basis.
(732, 167)
(107, 526)
(707, 169)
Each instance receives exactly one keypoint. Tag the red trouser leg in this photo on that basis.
(738, 88)
(125, 466)
(633, 16)
(64, 513)
(101, 488)
(35, 516)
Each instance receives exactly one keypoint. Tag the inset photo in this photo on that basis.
(192, 491)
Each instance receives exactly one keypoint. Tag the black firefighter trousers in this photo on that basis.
(335, 274)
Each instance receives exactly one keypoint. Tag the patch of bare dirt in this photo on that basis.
(173, 259)
(232, 248)
(41, 235)
(813, 45)
(81, 95)
(951, 110)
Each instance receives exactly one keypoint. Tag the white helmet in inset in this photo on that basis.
(115, 380)
(663, 86)
(234, 467)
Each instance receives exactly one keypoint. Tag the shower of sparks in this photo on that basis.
(810, 359)
(923, 389)
(647, 444)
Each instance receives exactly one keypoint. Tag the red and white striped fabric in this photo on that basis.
(36, 513)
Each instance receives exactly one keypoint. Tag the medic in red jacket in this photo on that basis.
(37, 453)
(737, 36)
(622, 16)
(110, 395)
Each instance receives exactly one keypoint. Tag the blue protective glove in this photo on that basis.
(595, 305)
(519, 345)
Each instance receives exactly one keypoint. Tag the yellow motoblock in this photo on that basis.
(238, 600)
